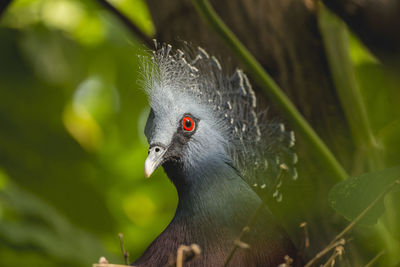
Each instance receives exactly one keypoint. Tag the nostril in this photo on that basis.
(157, 149)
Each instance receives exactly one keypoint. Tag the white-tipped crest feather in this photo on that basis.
(192, 81)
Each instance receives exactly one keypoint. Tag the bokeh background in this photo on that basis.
(72, 146)
(72, 116)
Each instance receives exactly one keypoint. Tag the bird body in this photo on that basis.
(213, 215)
(218, 151)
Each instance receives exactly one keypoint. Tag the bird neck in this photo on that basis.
(212, 191)
(214, 206)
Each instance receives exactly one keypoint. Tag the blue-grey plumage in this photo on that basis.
(204, 130)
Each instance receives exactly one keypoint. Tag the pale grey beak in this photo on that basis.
(154, 159)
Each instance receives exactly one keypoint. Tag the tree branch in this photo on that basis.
(238, 242)
(124, 252)
(375, 259)
(365, 211)
(127, 22)
(323, 252)
(3, 6)
(339, 240)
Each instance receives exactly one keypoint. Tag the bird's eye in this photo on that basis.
(188, 124)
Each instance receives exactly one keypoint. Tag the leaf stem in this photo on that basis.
(244, 230)
(272, 90)
(375, 259)
(366, 210)
(339, 238)
(128, 23)
(331, 261)
(322, 253)
(336, 42)
(124, 251)
(3, 6)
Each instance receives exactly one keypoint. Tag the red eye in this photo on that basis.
(188, 124)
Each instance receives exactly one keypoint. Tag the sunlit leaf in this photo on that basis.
(137, 11)
(359, 53)
(82, 126)
(62, 14)
(355, 194)
(139, 208)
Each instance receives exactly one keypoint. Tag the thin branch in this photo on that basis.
(338, 240)
(288, 262)
(366, 210)
(375, 259)
(271, 89)
(124, 252)
(128, 23)
(103, 262)
(306, 243)
(3, 6)
(331, 261)
(238, 242)
(323, 252)
(186, 254)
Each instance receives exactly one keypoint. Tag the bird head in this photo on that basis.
(203, 121)
(182, 129)
(183, 133)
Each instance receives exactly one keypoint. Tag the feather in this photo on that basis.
(259, 148)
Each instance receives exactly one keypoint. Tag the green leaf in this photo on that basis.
(28, 222)
(355, 194)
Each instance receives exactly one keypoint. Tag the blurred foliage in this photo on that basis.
(355, 194)
(71, 142)
(380, 88)
(28, 221)
(71, 134)
(368, 92)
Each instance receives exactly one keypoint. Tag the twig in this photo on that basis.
(334, 243)
(126, 253)
(331, 261)
(306, 243)
(375, 259)
(238, 242)
(288, 262)
(187, 253)
(3, 6)
(366, 210)
(272, 89)
(103, 262)
(322, 253)
(128, 23)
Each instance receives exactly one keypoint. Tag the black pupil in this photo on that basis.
(188, 124)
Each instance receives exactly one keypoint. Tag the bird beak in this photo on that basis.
(154, 159)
